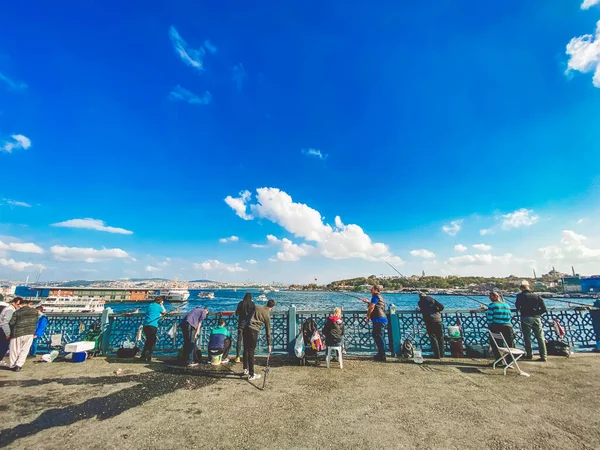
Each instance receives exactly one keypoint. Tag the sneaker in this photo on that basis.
(245, 373)
(192, 364)
(256, 376)
(528, 357)
(225, 361)
(3, 364)
(542, 360)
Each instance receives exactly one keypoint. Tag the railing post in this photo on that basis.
(595, 314)
(395, 331)
(105, 326)
(292, 329)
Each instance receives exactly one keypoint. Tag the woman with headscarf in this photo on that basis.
(244, 311)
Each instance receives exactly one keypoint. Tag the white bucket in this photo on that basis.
(453, 331)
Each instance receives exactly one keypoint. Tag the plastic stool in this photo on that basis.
(338, 349)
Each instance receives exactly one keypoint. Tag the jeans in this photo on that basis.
(238, 345)
(150, 333)
(221, 351)
(529, 325)
(4, 344)
(378, 330)
(33, 349)
(506, 331)
(189, 342)
(250, 340)
(436, 336)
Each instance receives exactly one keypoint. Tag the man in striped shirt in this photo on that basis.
(498, 315)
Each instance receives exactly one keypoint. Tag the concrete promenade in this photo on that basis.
(453, 404)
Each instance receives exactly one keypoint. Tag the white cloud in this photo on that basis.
(20, 266)
(339, 242)
(229, 239)
(17, 141)
(16, 203)
(250, 261)
(314, 153)
(423, 253)
(572, 249)
(471, 260)
(482, 247)
(213, 264)
(91, 224)
(460, 248)
(239, 75)
(239, 204)
(486, 231)
(519, 219)
(289, 251)
(191, 57)
(89, 255)
(258, 246)
(580, 221)
(453, 228)
(584, 52)
(182, 94)
(12, 84)
(587, 4)
(165, 263)
(21, 247)
(210, 47)
(152, 269)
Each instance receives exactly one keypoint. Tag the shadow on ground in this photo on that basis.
(149, 385)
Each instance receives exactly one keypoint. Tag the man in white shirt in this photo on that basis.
(5, 317)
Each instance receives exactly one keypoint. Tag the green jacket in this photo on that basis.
(262, 315)
(24, 322)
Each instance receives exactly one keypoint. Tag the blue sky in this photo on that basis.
(125, 127)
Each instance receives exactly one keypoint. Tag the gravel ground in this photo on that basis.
(450, 404)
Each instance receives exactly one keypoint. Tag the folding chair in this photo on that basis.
(56, 342)
(507, 353)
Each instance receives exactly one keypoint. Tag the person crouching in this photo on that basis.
(219, 344)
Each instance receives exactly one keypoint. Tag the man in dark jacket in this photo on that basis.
(22, 324)
(531, 306)
(334, 329)
(261, 316)
(244, 311)
(431, 308)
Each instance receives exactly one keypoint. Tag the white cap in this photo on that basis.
(525, 283)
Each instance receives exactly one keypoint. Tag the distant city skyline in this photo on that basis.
(305, 141)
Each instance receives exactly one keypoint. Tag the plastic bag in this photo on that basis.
(299, 346)
(172, 331)
(128, 344)
(316, 342)
(49, 357)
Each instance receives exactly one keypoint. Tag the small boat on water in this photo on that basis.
(72, 304)
(206, 295)
(262, 298)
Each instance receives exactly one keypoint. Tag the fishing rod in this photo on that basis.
(570, 303)
(395, 269)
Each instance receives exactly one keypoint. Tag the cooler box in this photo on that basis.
(81, 346)
(79, 357)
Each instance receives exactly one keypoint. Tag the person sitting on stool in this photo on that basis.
(219, 343)
(498, 315)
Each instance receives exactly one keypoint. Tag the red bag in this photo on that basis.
(316, 342)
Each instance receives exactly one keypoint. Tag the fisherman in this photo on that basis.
(150, 326)
(531, 306)
(219, 343)
(498, 315)
(40, 329)
(190, 327)
(431, 309)
(22, 324)
(334, 329)
(5, 317)
(376, 312)
(244, 311)
(260, 317)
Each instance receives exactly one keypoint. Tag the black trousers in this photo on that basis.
(377, 333)
(150, 333)
(506, 331)
(250, 340)
(221, 351)
(189, 342)
(238, 345)
(4, 343)
(436, 336)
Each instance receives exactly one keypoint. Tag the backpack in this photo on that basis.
(407, 349)
(558, 348)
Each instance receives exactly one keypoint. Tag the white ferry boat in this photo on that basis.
(206, 295)
(173, 294)
(70, 304)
